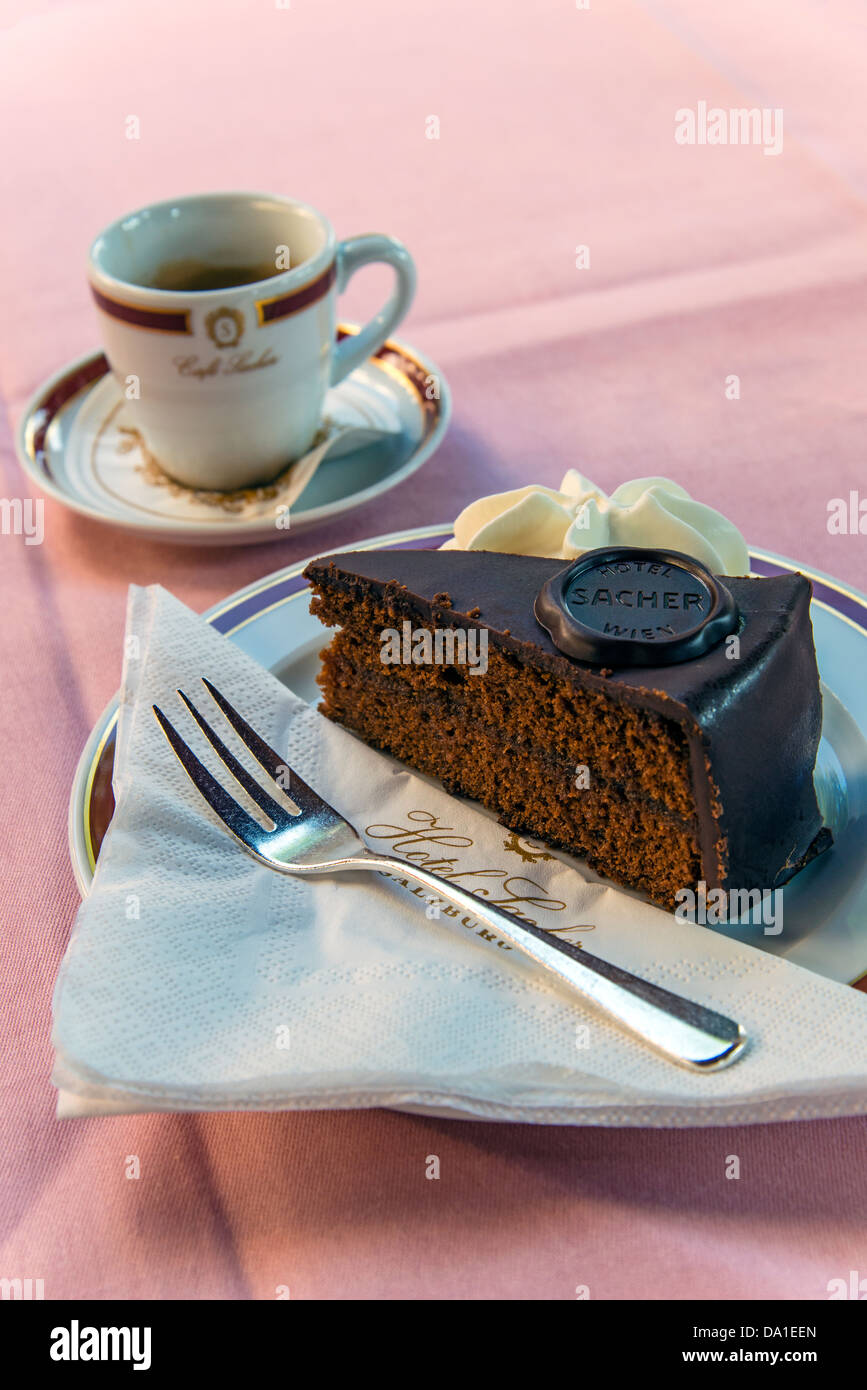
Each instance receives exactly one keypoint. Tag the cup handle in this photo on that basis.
(352, 254)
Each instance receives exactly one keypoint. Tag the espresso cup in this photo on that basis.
(226, 381)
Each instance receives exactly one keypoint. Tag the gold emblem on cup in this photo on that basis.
(225, 327)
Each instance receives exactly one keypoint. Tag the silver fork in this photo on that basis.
(316, 839)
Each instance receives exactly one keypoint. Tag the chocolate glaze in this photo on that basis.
(753, 723)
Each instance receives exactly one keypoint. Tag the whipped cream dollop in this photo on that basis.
(562, 525)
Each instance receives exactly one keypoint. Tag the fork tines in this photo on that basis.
(233, 815)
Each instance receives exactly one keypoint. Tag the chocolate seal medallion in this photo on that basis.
(630, 606)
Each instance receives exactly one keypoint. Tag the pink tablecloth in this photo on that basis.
(556, 131)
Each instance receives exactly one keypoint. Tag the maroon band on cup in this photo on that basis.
(282, 305)
(160, 320)
(178, 320)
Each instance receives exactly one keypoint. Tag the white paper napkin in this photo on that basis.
(196, 979)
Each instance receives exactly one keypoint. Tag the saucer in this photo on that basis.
(77, 443)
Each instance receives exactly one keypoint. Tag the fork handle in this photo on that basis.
(688, 1033)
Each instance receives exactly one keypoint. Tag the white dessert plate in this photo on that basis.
(78, 446)
(826, 904)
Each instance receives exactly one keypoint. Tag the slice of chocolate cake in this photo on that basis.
(630, 709)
